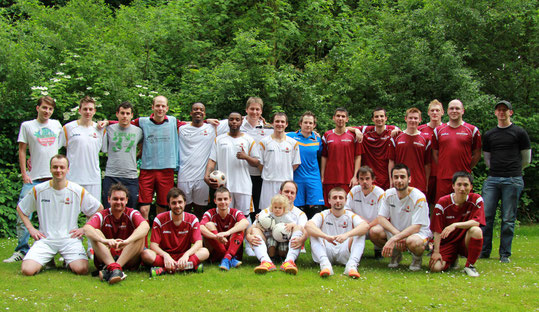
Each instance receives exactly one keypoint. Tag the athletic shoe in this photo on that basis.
(504, 259)
(199, 268)
(265, 267)
(395, 259)
(90, 253)
(156, 271)
(225, 264)
(16, 256)
(104, 275)
(325, 272)
(471, 271)
(289, 267)
(353, 273)
(416, 263)
(484, 256)
(116, 276)
(235, 262)
(455, 265)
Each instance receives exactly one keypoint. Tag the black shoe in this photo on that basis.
(378, 254)
(484, 256)
(504, 259)
(104, 275)
(116, 276)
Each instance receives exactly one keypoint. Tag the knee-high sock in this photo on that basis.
(474, 250)
(159, 261)
(318, 251)
(234, 244)
(293, 253)
(194, 259)
(217, 245)
(261, 251)
(356, 251)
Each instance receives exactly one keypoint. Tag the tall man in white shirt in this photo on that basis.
(58, 204)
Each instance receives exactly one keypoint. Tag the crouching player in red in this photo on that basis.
(117, 235)
(223, 230)
(455, 224)
(176, 242)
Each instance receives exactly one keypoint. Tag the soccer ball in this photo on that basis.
(280, 233)
(218, 176)
(266, 221)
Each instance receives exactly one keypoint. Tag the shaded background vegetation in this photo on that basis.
(296, 55)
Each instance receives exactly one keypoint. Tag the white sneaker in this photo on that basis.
(455, 265)
(395, 259)
(16, 256)
(416, 263)
(471, 271)
(90, 253)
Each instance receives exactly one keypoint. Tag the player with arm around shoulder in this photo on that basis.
(176, 242)
(223, 230)
(337, 235)
(455, 224)
(117, 235)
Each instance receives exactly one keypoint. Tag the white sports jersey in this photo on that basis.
(365, 206)
(278, 158)
(402, 213)
(236, 170)
(58, 210)
(195, 146)
(83, 145)
(334, 226)
(42, 141)
(257, 132)
(300, 216)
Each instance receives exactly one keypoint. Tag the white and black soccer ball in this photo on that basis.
(280, 233)
(218, 176)
(266, 221)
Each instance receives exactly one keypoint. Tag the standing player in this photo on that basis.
(279, 157)
(403, 221)
(364, 200)
(223, 230)
(234, 153)
(120, 143)
(254, 125)
(337, 235)
(176, 242)
(58, 204)
(40, 137)
(196, 139)
(457, 147)
(375, 146)
(117, 235)
(507, 151)
(307, 175)
(341, 156)
(413, 149)
(435, 112)
(455, 224)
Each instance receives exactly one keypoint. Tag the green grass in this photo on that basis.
(507, 287)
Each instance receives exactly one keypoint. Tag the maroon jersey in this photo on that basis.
(113, 228)
(340, 151)
(175, 239)
(233, 216)
(455, 147)
(446, 212)
(415, 152)
(376, 153)
(428, 132)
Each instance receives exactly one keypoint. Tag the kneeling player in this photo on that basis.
(337, 235)
(117, 235)
(455, 224)
(265, 246)
(222, 228)
(176, 242)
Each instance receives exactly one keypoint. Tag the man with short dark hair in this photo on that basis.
(117, 235)
(507, 151)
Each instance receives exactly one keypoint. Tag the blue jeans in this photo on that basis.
(507, 189)
(22, 232)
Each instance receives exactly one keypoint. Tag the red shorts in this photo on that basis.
(443, 187)
(450, 252)
(131, 265)
(431, 191)
(160, 181)
(175, 256)
(327, 187)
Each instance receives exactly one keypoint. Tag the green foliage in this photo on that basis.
(11, 186)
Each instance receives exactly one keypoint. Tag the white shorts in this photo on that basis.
(44, 250)
(269, 189)
(339, 253)
(242, 202)
(425, 237)
(94, 189)
(197, 192)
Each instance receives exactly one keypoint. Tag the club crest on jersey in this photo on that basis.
(94, 135)
(287, 150)
(344, 224)
(205, 132)
(407, 209)
(67, 201)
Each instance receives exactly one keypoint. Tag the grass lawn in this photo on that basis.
(501, 287)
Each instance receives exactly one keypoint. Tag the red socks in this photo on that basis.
(474, 250)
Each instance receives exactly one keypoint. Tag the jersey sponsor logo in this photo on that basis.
(45, 136)
(167, 232)
(346, 140)
(108, 225)
(444, 134)
(45, 200)
(402, 142)
(450, 217)
(330, 141)
(462, 133)
(420, 144)
(371, 139)
(155, 139)
(182, 232)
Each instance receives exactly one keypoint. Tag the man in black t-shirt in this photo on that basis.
(507, 151)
